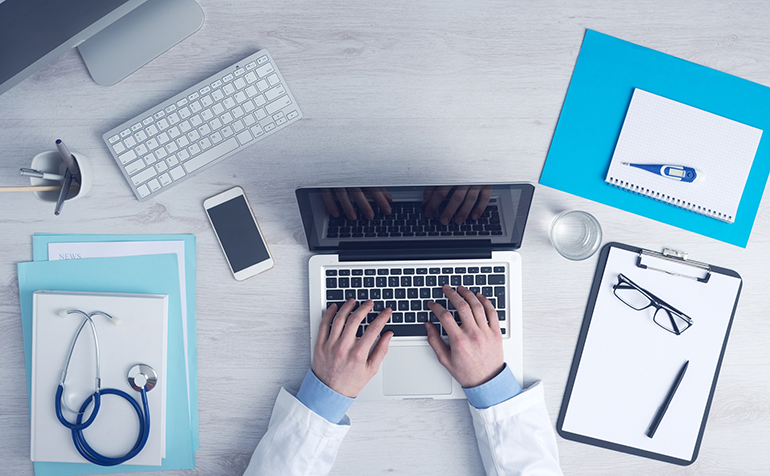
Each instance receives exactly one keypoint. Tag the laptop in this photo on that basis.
(402, 259)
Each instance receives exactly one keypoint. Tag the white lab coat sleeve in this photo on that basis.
(516, 437)
(298, 441)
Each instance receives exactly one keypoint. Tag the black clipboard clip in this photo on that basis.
(675, 256)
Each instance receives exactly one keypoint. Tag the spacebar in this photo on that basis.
(406, 329)
(210, 155)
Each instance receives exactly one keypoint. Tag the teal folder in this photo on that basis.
(606, 73)
(40, 243)
(125, 275)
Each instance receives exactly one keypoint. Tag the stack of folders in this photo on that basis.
(148, 281)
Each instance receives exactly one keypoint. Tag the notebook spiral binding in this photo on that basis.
(671, 200)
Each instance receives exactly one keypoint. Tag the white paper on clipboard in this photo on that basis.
(628, 363)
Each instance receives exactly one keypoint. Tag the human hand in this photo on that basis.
(475, 352)
(466, 200)
(380, 196)
(340, 359)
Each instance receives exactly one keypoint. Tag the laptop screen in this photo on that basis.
(487, 215)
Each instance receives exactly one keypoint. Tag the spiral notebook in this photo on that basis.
(661, 131)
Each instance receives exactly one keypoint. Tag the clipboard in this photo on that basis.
(624, 364)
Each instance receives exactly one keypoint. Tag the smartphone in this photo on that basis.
(238, 233)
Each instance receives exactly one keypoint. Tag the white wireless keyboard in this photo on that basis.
(203, 125)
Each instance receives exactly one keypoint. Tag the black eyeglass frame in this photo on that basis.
(655, 302)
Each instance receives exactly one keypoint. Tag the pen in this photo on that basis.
(662, 410)
(69, 159)
(35, 188)
(674, 172)
(65, 188)
(41, 175)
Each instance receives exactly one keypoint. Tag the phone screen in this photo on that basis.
(238, 233)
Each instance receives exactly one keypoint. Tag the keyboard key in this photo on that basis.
(499, 269)
(500, 295)
(278, 104)
(244, 137)
(210, 155)
(143, 191)
(334, 295)
(405, 330)
(331, 282)
(496, 279)
(144, 176)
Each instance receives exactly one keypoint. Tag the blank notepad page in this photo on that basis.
(658, 130)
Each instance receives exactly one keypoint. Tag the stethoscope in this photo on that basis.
(141, 378)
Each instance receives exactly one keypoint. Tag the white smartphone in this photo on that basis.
(238, 233)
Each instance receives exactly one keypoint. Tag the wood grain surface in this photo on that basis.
(398, 92)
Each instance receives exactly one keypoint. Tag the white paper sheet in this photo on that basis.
(141, 337)
(660, 131)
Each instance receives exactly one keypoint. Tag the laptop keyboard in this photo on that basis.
(408, 219)
(408, 290)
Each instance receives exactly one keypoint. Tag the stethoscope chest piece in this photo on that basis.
(142, 375)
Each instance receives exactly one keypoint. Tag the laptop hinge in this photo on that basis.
(476, 249)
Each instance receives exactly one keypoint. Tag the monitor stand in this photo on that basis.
(137, 38)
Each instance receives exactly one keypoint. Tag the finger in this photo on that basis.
(483, 201)
(331, 204)
(374, 329)
(426, 194)
(347, 206)
(381, 200)
(443, 354)
(438, 195)
(454, 203)
(355, 319)
(338, 324)
(360, 198)
(379, 352)
(470, 201)
(386, 194)
(479, 314)
(463, 308)
(445, 318)
(494, 321)
(326, 322)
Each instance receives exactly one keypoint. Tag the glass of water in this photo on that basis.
(575, 234)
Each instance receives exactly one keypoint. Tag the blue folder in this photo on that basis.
(125, 275)
(606, 73)
(40, 243)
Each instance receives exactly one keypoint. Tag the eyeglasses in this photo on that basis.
(639, 299)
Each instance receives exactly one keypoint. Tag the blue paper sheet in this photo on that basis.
(40, 242)
(606, 73)
(126, 275)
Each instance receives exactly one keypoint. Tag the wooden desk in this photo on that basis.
(404, 92)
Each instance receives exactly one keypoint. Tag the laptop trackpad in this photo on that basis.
(414, 371)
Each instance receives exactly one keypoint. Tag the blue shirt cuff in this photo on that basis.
(322, 400)
(501, 388)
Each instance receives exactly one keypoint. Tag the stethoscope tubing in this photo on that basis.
(90, 454)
